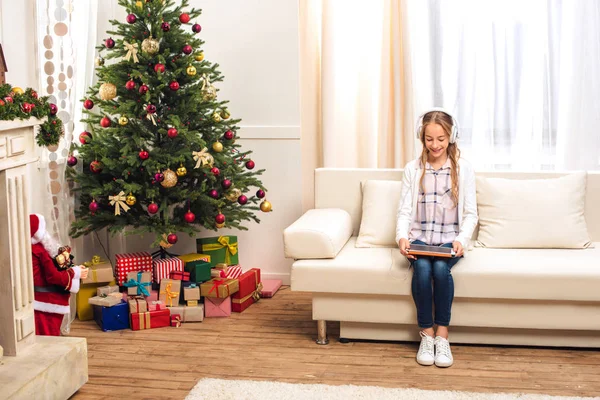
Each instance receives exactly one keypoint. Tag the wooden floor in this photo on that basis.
(274, 340)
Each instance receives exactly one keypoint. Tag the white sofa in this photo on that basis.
(531, 297)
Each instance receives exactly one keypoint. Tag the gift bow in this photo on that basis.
(230, 249)
(141, 286)
(256, 293)
(202, 158)
(192, 286)
(95, 260)
(169, 294)
(131, 51)
(150, 116)
(119, 202)
(176, 319)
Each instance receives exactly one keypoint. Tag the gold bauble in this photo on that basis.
(220, 225)
(217, 146)
(150, 46)
(199, 57)
(139, 5)
(225, 114)
(99, 61)
(216, 117)
(130, 200)
(265, 206)
(170, 179)
(17, 90)
(107, 91)
(209, 93)
(181, 171)
(233, 194)
(191, 70)
(123, 121)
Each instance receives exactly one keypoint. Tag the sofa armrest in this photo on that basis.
(319, 233)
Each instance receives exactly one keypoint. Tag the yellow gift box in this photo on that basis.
(85, 311)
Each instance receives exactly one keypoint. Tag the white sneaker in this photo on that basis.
(443, 355)
(425, 354)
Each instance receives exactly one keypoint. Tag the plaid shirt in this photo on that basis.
(437, 216)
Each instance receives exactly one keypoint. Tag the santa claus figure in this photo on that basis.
(52, 285)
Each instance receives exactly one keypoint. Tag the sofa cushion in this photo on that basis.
(532, 213)
(536, 274)
(379, 207)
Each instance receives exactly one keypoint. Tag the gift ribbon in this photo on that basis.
(157, 304)
(141, 286)
(131, 51)
(119, 202)
(255, 295)
(177, 320)
(169, 294)
(144, 319)
(203, 158)
(150, 116)
(192, 286)
(216, 284)
(230, 248)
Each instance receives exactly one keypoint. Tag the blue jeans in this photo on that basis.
(426, 271)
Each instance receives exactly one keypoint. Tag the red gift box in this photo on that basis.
(131, 262)
(150, 320)
(180, 276)
(162, 268)
(249, 292)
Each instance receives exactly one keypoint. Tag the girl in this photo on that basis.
(438, 207)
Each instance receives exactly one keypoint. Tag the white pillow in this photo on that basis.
(379, 208)
(532, 213)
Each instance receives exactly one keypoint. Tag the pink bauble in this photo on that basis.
(213, 193)
(93, 206)
(72, 161)
(187, 49)
(226, 184)
(131, 18)
(260, 193)
(215, 171)
(242, 199)
(250, 164)
(143, 89)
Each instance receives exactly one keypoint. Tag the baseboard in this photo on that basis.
(285, 278)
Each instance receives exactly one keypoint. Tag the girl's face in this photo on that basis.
(436, 141)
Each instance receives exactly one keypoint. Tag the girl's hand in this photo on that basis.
(404, 245)
(458, 249)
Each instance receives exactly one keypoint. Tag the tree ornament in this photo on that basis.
(105, 122)
(181, 171)
(143, 89)
(144, 155)
(216, 117)
(96, 166)
(218, 147)
(139, 5)
(170, 179)
(152, 208)
(72, 161)
(130, 200)
(26, 107)
(196, 28)
(228, 135)
(130, 85)
(226, 183)
(17, 91)
(107, 91)
(165, 26)
(34, 94)
(225, 114)
(184, 18)
(242, 199)
(220, 219)
(189, 217)
(109, 43)
(53, 108)
(220, 225)
(151, 108)
(209, 92)
(99, 61)
(250, 164)
(215, 171)
(9, 99)
(191, 70)
(174, 86)
(93, 207)
(260, 193)
(88, 104)
(159, 177)
(213, 193)
(199, 57)
(187, 49)
(172, 133)
(123, 121)
(265, 206)
(150, 46)
(118, 202)
(2, 102)
(172, 238)
(233, 194)
(85, 137)
(131, 18)
(159, 68)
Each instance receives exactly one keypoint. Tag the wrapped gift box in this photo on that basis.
(197, 266)
(132, 262)
(106, 290)
(85, 311)
(233, 272)
(169, 292)
(180, 276)
(249, 293)
(191, 292)
(137, 305)
(163, 267)
(100, 271)
(112, 318)
(215, 308)
(104, 300)
(222, 249)
(270, 287)
(155, 305)
(192, 303)
(138, 283)
(150, 320)
(193, 314)
(219, 288)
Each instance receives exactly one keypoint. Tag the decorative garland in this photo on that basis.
(15, 103)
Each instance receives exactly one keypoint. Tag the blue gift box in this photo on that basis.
(112, 318)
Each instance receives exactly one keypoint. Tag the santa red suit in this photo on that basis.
(52, 286)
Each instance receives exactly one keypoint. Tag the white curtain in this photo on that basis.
(523, 78)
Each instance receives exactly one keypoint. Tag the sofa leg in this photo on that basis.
(322, 332)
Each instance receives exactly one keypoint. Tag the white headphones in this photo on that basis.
(453, 135)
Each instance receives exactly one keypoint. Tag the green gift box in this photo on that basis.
(199, 270)
(222, 249)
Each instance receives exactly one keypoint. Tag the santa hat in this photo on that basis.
(37, 224)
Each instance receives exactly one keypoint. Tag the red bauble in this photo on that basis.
(187, 49)
(88, 104)
(131, 18)
(144, 155)
(93, 206)
(130, 85)
(174, 86)
(105, 122)
(213, 193)
(184, 18)
(72, 161)
(96, 167)
(172, 238)
(250, 164)
(242, 199)
(143, 89)
(2, 102)
(85, 137)
(226, 184)
(10, 100)
(189, 217)
(34, 94)
(26, 107)
(159, 68)
(110, 43)
(153, 208)
(196, 28)
(228, 135)
(260, 193)
(172, 133)
(53, 108)
(165, 26)
(220, 219)
(159, 177)
(215, 171)
(151, 108)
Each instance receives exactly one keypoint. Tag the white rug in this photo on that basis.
(220, 389)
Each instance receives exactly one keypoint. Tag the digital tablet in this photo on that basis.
(431, 251)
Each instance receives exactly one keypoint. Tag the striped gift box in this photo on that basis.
(131, 262)
(162, 268)
(234, 272)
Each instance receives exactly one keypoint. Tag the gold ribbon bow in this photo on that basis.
(203, 158)
(119, 202)
(131, 51)
(230, 249)
(256, 293)
(169, 294)
(176, 321)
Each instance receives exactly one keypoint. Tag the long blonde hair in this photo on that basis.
(445, 121)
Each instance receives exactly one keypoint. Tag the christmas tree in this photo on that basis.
(159, 153)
